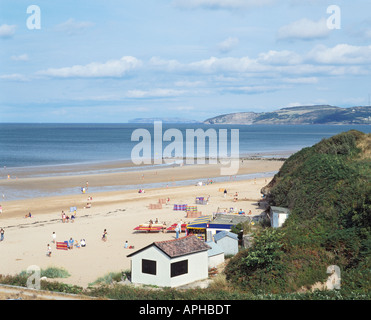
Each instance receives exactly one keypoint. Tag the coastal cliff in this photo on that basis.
(320, 114)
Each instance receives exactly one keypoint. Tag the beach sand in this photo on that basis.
(119, 212)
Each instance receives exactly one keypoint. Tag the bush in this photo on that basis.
(327, 189)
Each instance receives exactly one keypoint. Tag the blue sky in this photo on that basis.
(112, 61)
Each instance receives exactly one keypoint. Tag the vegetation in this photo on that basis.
(108, 278)
(51, 273)
(328, 191)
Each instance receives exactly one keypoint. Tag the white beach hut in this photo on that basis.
(170, 263)
(215, 254)
(227, 241)
(278, 216)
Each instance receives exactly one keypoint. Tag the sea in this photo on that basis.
(42, 149)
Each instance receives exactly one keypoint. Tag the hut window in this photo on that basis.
(149, 266)
(179, 268)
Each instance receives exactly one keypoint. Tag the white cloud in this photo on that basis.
(21, 57)
(154, 93)
(284, 57)
(189, 83)
(14, 77)
(169, 65)
(111, 68)
(222, 4)
(72, 27)
(228, 64)
(304, 29)
(256, 89)
(341, 54)
(304, 80)
(319, 61)
(228, 44)
(7, 31)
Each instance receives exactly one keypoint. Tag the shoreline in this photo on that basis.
(25, 187)
(121, 165)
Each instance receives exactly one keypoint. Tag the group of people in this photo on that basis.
(66, 218)
(71, 243)
(29, 215)
(235, 197)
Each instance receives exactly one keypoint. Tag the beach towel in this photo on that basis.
(62, 245)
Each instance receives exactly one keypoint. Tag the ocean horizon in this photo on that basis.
(34, 145)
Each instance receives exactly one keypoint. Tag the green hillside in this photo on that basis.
(327, 188)
(321, 114)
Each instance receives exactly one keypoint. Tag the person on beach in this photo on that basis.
(225, 193)
(126, 244)
(104, 237)
(77, 244)
(1, 209)
(180, 226)
(164, 227)
(28, 215)
(63, 217)
(49, 251)
(54, 237)
(177, 232)
(70, 243)
(236, 196)
(2, 234)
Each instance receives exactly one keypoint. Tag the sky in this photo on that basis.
(112, 61)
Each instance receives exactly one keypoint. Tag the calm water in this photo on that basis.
(37, 150)
(28, 145)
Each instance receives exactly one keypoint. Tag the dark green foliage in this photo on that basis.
(327, 188)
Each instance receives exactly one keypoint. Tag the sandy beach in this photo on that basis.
(119, 212)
